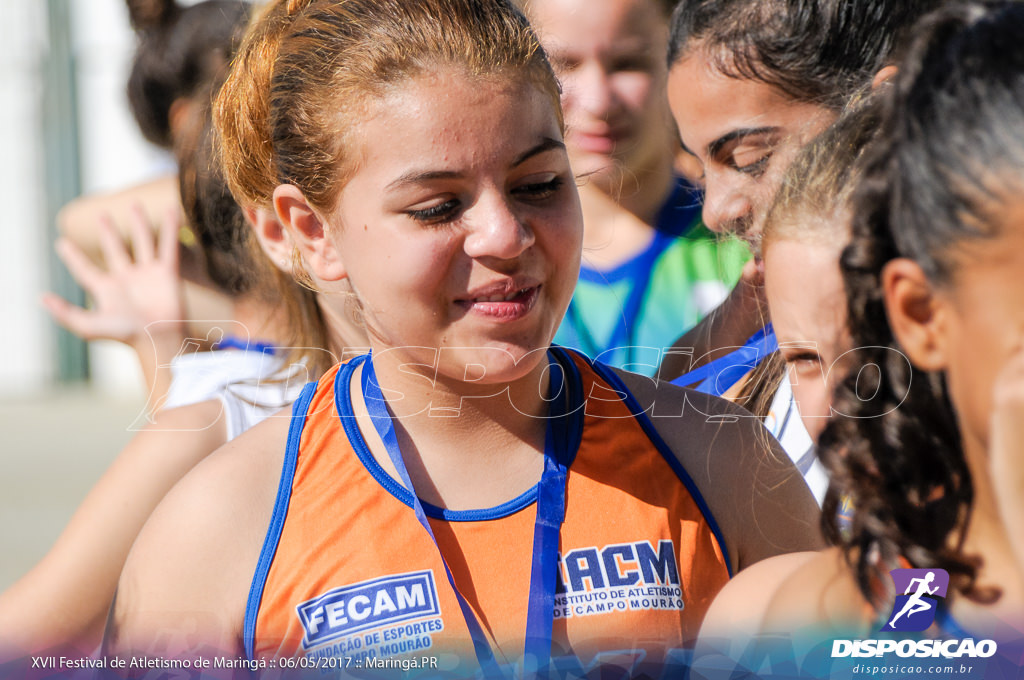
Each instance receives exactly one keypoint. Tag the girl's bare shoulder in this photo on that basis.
(820, 594)
(193, 561)
(785, 595)
(757, 496)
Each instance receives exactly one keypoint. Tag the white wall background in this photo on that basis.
(112, 155)
(26, 343)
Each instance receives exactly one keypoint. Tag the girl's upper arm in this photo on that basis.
(797, 600)
(739, 610)
(756, 495)
(184, 586)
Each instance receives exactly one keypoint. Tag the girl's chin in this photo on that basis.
(490, 364)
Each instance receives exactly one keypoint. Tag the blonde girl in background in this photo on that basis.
(809, 223)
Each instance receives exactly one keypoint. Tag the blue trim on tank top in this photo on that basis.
(676, 218)
(343, 404)
(632, 268)
(284, 494)
(574, 383)
(244, 344)
(680, 214)
(666, 452)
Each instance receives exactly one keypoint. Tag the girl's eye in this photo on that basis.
(756, 168)
(563, 64)
(538, 191)
(440, 212)
(635, 62)
(803, 360)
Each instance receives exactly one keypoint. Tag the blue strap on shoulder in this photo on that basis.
(717, 376)
(300, 411)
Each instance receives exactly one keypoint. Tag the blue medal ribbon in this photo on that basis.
(717, 376)
(564, 430)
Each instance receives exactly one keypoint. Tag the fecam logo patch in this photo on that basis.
(369, 604)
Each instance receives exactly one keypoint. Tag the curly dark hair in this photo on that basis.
(819, 51)
(180, 51)
(951, 142)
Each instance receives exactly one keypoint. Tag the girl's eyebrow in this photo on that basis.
(546, 144)
(714, 147)
(741, 133)
(417, 176)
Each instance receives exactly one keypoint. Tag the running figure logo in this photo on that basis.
(914, 610)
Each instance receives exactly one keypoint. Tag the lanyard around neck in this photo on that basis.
(550, 515)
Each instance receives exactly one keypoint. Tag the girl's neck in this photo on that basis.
(619, 216)
(465, 445)
(259, 320)
(346, 337)
(640, 190)
(987, 538)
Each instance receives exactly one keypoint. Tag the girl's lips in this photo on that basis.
(599, 138)
(594, 143)
(510, 307)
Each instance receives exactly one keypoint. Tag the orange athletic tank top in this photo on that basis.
(348, 576)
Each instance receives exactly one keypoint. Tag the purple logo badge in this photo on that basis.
(917, 591)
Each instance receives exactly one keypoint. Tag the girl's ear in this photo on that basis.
(181, 115)
(884, 75)
(917, 315)
(274, 239)
(305, 229)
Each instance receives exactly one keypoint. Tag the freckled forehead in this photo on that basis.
(804, 289)
(448, 116)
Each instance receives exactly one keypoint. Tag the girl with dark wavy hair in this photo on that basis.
(927, 448)
(787, 69)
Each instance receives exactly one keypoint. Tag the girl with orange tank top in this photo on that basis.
(466, 498)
